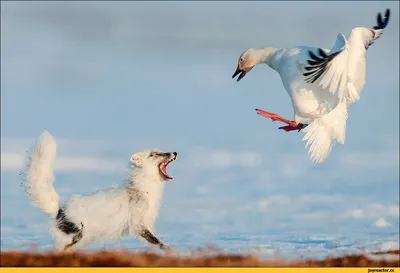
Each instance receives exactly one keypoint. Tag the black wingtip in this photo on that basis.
(381, 24)
(387, 14)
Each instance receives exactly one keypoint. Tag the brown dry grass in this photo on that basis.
(146, 259)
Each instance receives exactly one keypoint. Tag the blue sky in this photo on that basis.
(109, 79)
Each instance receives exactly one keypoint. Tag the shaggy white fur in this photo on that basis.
(129, 209)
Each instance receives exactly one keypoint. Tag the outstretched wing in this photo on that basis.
(329, 69)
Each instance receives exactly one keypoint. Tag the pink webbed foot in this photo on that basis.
(291, 125)
(298, 127)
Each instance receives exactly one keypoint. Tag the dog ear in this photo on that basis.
(137, 159)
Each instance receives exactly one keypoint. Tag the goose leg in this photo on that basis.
(291, 125)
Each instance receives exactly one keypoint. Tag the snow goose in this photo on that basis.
(322, 84)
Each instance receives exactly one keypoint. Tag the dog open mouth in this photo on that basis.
(163, 168)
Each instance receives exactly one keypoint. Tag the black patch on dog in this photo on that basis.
(77, 237)
(64, 224)
(68, 227)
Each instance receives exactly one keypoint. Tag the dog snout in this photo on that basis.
(175, 154)
(170, 154)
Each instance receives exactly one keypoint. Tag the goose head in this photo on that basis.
(247, 60)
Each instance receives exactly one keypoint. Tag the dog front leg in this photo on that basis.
(152, 239)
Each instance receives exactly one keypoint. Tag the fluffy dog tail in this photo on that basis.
(39, 176)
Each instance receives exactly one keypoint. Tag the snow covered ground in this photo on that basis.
(191, 220)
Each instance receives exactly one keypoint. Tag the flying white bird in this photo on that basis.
(321, 83)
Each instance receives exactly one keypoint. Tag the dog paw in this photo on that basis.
(166, 248)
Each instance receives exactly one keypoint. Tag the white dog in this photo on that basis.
(130, 209)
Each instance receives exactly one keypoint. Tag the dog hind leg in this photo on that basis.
(68, 227)
(75, 239)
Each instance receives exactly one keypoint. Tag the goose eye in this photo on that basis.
(241, 59)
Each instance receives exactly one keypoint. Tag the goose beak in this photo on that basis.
(241, 71)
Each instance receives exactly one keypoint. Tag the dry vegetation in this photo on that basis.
(147, 259)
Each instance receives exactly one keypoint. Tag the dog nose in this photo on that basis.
(175, 154)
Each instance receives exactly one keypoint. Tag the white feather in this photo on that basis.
(322, 133)
(335, 77)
